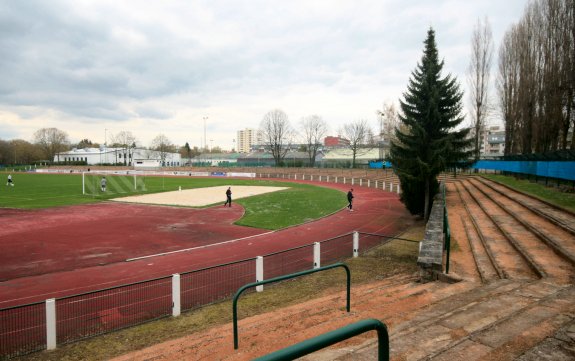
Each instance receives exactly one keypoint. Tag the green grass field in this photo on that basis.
(550, 194)
(296, 205)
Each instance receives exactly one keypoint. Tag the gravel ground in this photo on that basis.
(198, 197)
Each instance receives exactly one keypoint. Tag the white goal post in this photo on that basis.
(115, 183)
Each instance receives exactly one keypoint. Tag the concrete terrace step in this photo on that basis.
(499, 321)
(281, 328)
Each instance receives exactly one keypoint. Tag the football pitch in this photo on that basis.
(295, 205)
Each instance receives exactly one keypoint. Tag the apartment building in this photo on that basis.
(246, 139)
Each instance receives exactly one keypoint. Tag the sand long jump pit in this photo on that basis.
(198, 197)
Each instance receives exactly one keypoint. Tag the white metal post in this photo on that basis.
(83, 183)
(51, 324)
(398, 188)
(316, 255)
(176, 298)
(383, 185)
(355, 244)
(259, 272)
(135, 184)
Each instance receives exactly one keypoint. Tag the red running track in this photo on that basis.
(69, 250)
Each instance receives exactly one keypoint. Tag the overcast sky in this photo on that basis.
(95, 68)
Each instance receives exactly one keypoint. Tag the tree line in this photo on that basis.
(48, 142)
(536, 78)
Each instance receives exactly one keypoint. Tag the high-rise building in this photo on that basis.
(246, 139)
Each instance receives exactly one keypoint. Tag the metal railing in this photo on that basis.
(322, 341)
(23, 327)
(447, 232)
(282, 278)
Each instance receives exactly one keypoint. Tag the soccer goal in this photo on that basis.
(115, 184)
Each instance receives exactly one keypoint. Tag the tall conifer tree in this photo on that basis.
(427, 142)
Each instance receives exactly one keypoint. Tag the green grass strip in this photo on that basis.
(549, 194)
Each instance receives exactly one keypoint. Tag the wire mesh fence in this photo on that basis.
(336, 249)
(209, 285)
(111, 309)
(22, 329)
(288, 261)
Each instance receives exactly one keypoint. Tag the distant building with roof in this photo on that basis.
(344, 157)
(215, 159)
(338, 141)
(127, 156)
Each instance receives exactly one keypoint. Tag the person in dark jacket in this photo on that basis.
(350, 200)
(228, 197)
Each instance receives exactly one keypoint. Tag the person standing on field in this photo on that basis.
(350, 200)
(103, 184)
(10, 182)
(228, 197)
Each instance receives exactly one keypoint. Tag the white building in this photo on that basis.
(492, 141)
(127, 156)
(246, 139)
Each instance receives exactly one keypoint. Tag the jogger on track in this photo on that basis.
(228, 197)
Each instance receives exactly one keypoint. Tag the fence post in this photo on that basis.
(259, 272)
(176, 296)
(355, 244)
(316, 255)
(398, 187)
(51, 324)
(383, 185)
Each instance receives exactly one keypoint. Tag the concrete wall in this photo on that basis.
(430, 260)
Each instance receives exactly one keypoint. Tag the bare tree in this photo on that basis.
(508, 88)
(478, 78)
(536, 78)
(127, 141)
(163, 146)
(360, 138)
(388, 122)
(276, 133)
(51, 141)
(314, 130)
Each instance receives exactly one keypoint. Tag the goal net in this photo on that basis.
(115, 184)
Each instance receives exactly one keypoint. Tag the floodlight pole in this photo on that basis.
(205, 138)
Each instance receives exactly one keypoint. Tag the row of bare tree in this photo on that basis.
(536, 80)
(279, 136)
